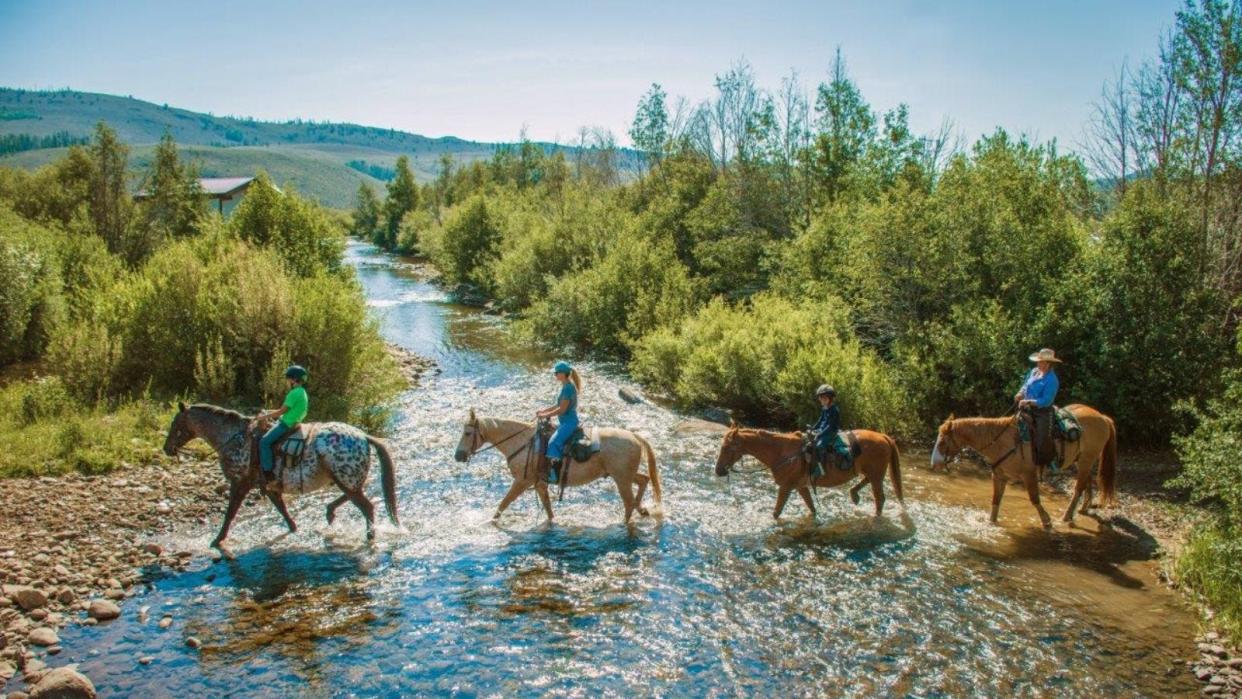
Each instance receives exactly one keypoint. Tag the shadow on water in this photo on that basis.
(854, 533)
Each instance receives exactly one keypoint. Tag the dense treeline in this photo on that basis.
(775, 239)
(117, 303)
(18, 142)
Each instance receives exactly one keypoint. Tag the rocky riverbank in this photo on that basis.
(73, 549)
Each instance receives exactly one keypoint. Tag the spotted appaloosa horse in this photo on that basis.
(339, 455)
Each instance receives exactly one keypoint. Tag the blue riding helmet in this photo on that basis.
(296, 372)
(562, 368)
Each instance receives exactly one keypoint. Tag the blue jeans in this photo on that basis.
(556, 445)
(269, 440)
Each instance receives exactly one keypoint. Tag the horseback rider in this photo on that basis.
(291, 413)
(824, 431)
(566, 409)
(1035, 400)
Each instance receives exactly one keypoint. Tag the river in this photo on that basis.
(714, 598)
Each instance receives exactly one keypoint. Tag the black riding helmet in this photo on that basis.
(296, 372)
(826, 390)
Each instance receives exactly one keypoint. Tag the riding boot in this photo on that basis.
(554, 470)
(817, 467)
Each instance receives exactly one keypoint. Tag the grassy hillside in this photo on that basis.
(309, 156)
(313, 174)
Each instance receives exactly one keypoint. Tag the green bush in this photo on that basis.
(468, 243)
(44, 398)
(308, 239)
(765, 358)
(31, 299)
(638, 287)
(412, 226)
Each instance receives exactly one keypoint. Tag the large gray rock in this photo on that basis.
(63, 683)
(629, 396)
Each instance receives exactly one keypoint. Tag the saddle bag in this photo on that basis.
(582, 447)
(1067, 425)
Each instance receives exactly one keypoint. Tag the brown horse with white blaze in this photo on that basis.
(998, 441)
(782, 453)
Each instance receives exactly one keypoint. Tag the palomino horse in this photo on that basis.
(338, 455)
(619, 457)
(782, 452)
(997, 440)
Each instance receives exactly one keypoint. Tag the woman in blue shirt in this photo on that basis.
(566, 409)
(1036, 398)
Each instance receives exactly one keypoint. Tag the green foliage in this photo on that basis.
(173, 201)
(765, 357)
(366, 213)
(301, 232)
(402, 198)
(412, 227)
(31, 301)
(638, 287)
(468, 244)
(1208, 564)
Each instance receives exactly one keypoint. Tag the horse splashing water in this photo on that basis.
(338, 454)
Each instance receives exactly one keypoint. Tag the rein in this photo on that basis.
(993, 465)
(475, 437)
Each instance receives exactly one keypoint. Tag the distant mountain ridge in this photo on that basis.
(323, 160)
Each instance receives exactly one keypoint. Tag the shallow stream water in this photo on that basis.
(714, 598)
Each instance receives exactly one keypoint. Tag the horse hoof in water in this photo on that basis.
(331, 516)
(854, 497)
(643, 511)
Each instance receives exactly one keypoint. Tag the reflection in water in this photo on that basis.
(715, 598)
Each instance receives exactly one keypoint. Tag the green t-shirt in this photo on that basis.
(296, 401)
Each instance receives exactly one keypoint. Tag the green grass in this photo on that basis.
(1209, 564)
(43, 432)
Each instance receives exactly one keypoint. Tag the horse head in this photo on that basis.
(180, 431)
(730, 450)
(947, 445)
(471, 439)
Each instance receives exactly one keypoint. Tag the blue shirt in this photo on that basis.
(570, 393)
(1040, 388)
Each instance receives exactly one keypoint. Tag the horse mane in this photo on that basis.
(220, 412)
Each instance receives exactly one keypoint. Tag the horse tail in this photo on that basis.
(388, 477)
(894, 467)
(1108, 465)
(652, 472)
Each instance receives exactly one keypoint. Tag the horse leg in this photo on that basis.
(368, 510)
(999, 481)
(1080, 485)
(515, 490)
(279, 502)
(237, 494)
(627, 497)
(642, 488)
(542, 489)
(805, 492)
(857, 487)
(1032, 490)
(877, 492)
(335, 504)
(781, 496)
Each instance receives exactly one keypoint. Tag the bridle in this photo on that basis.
(477, 440)
(956, 448)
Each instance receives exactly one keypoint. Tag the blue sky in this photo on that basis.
(483, 70)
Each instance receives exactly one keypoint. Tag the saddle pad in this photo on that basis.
(846, 444)
(1067, 425)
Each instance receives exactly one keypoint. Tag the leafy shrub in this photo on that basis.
(638, 287)
(766, 357)
(468, 243)
(308, 239)
(31, 303)
(44, 398)
(412, 226)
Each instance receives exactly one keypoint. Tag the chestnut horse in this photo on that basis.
(782, 452)
(621, 453)
(997, 440)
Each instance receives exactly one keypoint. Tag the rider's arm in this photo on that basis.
(555, 410)
(274, 413)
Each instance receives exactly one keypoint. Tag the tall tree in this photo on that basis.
(402, 198)
(110, 206)
(174, 202)
(846, 127)
(649, 132)
(366, 215)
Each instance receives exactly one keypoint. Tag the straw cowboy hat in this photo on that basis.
(1045, 355)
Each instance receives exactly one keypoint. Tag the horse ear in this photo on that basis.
(732, 424)
(181, 405)
(472, 414)
(952, 416)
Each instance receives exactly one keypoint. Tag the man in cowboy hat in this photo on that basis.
(1035, 399)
